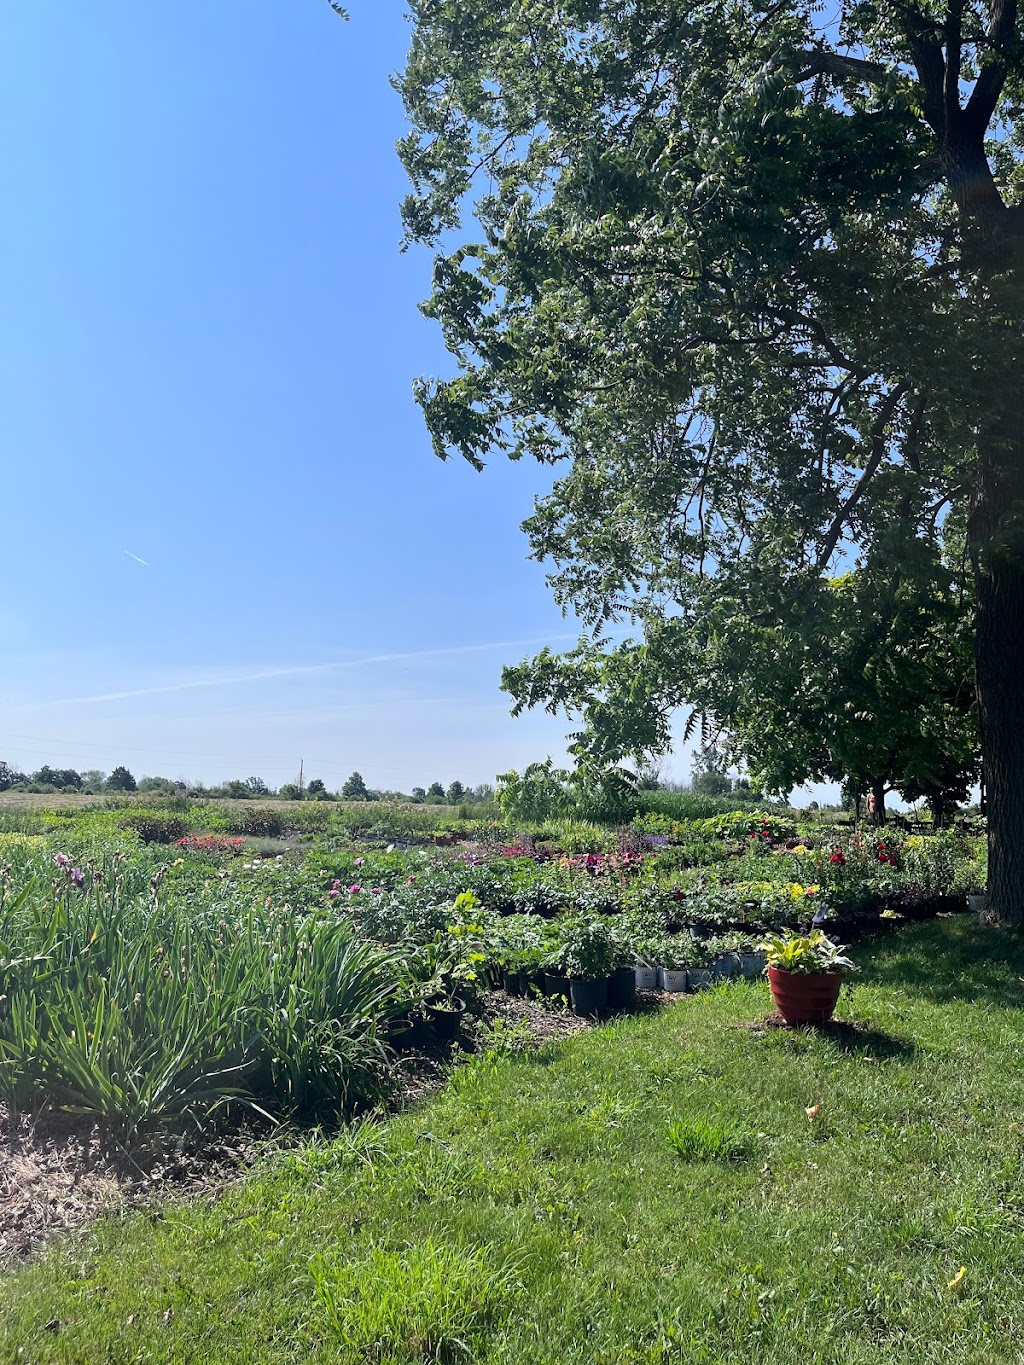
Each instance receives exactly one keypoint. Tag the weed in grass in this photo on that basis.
(507, 1038)
(702, 1139)
(427, 1303)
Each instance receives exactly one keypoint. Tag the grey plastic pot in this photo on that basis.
(674, 979)
(752, 964)
(646, 977)
(725, 966)
(700, 978)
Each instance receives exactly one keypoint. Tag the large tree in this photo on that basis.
(759, 281)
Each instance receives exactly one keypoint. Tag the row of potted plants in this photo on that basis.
(597, 964)
(681, 962)
(582, 959)
(589, 965)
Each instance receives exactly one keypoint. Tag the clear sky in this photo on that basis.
(227, 545)
(208, 344)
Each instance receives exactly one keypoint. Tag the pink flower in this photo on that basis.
(333, 894)
(409, 880)
(359, 862)
(354, 890)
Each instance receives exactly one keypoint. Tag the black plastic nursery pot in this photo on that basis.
(515, 983)
(588, 997)
(556, 985)
(446, 1019)
(622, 988)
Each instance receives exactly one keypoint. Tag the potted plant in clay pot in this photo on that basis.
(805, 973)
(587, 954)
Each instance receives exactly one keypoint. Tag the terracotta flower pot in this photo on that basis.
(805, 998)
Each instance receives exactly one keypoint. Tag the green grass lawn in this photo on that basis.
(651, 1191)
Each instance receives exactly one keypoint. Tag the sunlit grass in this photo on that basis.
(536, 1210)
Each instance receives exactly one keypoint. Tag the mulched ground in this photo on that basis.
(56, 1171)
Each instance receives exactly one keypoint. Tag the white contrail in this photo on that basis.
(136, 558)
(296, 671)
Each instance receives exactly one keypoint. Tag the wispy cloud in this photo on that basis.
(137, 559)
(298, 670)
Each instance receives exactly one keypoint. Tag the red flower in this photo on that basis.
(838, 857)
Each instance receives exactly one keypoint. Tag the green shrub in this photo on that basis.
(688, 805)
(260, 821)
(741, 824)
(153, 827)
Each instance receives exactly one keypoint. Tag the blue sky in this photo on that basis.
(209, 342)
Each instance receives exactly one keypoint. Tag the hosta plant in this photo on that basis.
(807, 954)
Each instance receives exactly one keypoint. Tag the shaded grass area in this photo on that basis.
(538, 1210)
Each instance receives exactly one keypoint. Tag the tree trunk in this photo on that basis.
(937, 806)
(996, 528)
(877, 803)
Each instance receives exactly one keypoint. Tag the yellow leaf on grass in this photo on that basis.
(958, 1278)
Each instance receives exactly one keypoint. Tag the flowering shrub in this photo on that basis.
(210, 843)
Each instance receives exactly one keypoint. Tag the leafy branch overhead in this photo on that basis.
(757, 284)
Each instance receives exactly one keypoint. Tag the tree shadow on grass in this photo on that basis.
(849, 1036)
(948, 961)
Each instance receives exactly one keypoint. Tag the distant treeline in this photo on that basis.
(92, 781)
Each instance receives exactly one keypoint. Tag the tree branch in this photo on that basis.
(926, 50)
(989, 85)
(885, 411)
(818, 62)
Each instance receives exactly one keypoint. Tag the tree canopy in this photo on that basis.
(758, 281)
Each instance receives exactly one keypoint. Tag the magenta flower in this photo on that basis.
(354, 890)
(359, 862)
(62, 860)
